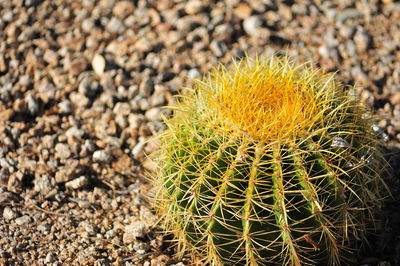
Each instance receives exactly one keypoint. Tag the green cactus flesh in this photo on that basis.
(302, 198)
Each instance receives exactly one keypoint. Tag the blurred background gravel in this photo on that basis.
(82, 85)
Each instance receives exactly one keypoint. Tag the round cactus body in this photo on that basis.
(269, 163)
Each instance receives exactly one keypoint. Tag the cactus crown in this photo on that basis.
(269, 162)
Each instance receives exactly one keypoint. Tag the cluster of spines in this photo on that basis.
(293, 200)
(285, 204)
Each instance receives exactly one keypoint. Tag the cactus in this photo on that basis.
(269, 162)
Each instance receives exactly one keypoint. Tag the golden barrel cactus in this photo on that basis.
(269, 162)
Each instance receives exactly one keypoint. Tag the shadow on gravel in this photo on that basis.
(385, 245)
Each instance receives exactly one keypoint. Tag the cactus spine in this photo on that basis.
(269, 163)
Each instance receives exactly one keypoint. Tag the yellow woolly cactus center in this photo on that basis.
(264, 100)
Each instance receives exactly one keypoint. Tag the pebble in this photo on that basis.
(43, 185)
(77, 183)
(123, 8)
(193, 7)
(218, 47)
(78, 65)
(44, 228)
(137, 150)
(51, 57)
(102, 156)
(361, 40)
(98, 64)
(27, 34)
(242, 11)
(62, 151)
(87, 25)
(24, 80)
(146, 87)
(115, 25)
(133, 231)
(33, 105)
(252, 23)
(88, 86)
(23, 220)
(348, 13)
(50, 258)
(9, 213)
(65, 107)
(153, 114)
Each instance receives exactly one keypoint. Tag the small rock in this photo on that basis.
(65, 107)
(27, 34)
(133, 231)
(23, 220)
(74, 132)
(122, 108)
(146, 87)
(87, 25)
(218, 47)
(348, 13)
(395, 99)
(78, 99)
(242, 11)
(50, 258)
(102, 156)
(193, 73)
(62, 151)
(193, 7)
(78, 65)
(9, 213)
(88, 87)
(110, 234)
(138, 149)
(98, 64)
(24, 80)
(140, 247)
(43, 185)
(123, 9)
(85, 204)
(251, 24)
(153, 114)
(51, 57)
(77, 183)
(87, 227)
(67, 172)
(115, 25)
(361, 40)
(44, 228)
(32, 104)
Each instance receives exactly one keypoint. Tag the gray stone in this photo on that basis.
(133, 231)
(9, 213)
(62, 151)
(138, 149)
(348, 13)
(43, 185)
(77, 183)
(32, 104)
(251, 24)
(153, 114)
(65, 107)
(218, 47)
(115, 25)
(88, 86)
(23, 220)
(102, 156)
(146, 87)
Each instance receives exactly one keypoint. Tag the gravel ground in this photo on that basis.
(82, 84)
